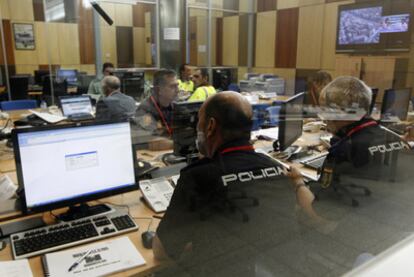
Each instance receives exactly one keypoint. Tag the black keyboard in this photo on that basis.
(62, 235)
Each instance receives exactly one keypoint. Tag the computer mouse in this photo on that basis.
(147, 238)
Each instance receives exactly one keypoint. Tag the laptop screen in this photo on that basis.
(76, 105)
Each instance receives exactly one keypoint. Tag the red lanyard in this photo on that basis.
(360, 127)
(162, 116)
(237, 148)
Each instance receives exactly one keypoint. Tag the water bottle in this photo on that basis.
(43, 105)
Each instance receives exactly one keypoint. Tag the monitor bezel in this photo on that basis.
(283, 145)
(72, 201)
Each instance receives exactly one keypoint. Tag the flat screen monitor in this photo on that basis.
(374, 26)
(70, 75)
(184, 125)
(39, 75)
(395, 103)
(65, 165)
(373, 99)
(290, 121)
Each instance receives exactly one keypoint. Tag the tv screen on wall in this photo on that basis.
(374, 26)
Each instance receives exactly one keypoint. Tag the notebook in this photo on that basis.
(96, 259)
(76, 107)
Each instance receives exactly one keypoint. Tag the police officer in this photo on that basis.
(155, 113)
(185, 84)
(229, 200)
(203, 89)
(357, 144)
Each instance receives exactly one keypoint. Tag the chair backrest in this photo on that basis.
(19, 86)
(18, 105)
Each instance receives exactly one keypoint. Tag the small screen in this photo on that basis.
(76, 105)
(71, 162)
(70, 75)
(395, 103)
(291, 121)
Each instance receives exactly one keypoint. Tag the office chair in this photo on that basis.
(19, 85)
(18, 105)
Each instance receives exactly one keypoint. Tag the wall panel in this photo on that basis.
(202, 40)
(329, 34)
(243, 39)
(38, 10)
(265, 39)
(287, 4)
(219, 41)
(139, 45)
(124, 46)
(88, 68)
(4, 9)
(68, 36)
(26, 69)
(21, 10)
(108, 43)
(231, 40)
(310, 37)
(47, 44)
(123, 15)
(148, 39)
(287, 37)
(310, 2)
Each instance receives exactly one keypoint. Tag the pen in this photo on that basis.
(75, 264)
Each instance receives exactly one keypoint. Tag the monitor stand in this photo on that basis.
(83, 210)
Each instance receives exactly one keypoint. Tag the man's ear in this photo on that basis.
(211, 127)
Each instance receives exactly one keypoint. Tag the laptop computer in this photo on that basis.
(77, 108)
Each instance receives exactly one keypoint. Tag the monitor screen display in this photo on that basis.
(70, 75)
(291, 121)
(76, 105)
(70, 164)
(374, 25)
(395, 103)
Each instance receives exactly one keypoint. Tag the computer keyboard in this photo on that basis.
(66, 234)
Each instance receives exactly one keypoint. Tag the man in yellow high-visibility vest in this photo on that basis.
(185, 84)
(203, 89)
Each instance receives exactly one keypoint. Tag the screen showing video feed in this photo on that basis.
(365, 26)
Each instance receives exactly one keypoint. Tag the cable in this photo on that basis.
(5, 125)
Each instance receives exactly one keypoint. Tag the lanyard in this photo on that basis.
(360, 127)
(237, 148)
(162, 116)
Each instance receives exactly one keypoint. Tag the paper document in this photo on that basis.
(19, 268)
(51, 118)
(7, 187)
(270, 133)
(96, 259)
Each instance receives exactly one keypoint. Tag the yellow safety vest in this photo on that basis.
(187, 86)
(202, 93)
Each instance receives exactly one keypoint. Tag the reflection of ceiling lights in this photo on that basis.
(86, 4)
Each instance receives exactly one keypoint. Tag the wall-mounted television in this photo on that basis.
(375, 26)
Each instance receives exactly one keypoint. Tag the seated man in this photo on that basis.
(185, 84)
(203, 89)
(95, 87)
(358, 144)
(115, 105)
(315, 85)
(231, 202)
(155, 113)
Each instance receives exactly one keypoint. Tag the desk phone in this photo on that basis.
(157, 193)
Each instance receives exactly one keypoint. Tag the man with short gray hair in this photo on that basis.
(115, 105)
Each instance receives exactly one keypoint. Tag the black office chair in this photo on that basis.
(19, 85)
(59, 88)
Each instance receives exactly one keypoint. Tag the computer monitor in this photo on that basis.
(70, 75)
(290, 121)
(395, 103)
(184, 125)
(373, 99)
(39, 75)
(65, 165)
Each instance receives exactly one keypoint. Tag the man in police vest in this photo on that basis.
(203, 89)
(230, 200)
(360, 144)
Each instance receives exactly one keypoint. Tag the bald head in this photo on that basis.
(110, 84)
(233, 114)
